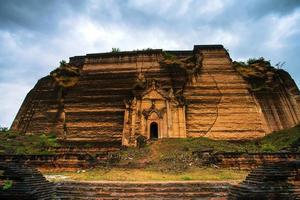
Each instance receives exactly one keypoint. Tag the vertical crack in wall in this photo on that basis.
(217, 105)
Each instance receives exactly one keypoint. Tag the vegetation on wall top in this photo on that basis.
(66, 75)
(114, 50)
(259, 73)
(172, 60)
(189, 65)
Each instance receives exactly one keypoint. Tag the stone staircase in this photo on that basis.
(38, 111)
(273, 181)
(142, 190)
(27, 115)
(28, 183)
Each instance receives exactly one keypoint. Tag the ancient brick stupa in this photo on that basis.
(119, 96)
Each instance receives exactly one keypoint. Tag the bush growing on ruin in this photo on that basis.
(145, 49)
(114, 50)
(259, 73)
(45, 142)
(172, 60)
(187, 66)
(7, 184)
(169, 56)
(3, 129)
(66, 75)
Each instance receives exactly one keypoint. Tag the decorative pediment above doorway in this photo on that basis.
(154, 92)
(153, 109)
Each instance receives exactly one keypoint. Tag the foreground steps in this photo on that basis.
(273, 181)
(27, 183)
(142, 190)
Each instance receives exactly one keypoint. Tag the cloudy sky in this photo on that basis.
(36, 34)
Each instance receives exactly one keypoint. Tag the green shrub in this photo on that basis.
(7, 185)
(186, 178)
(11, 134)
(21, 150)
(114, 50)
(3, 129)
(268, 147)
(168, 56)
(88, 145)
(45, 142)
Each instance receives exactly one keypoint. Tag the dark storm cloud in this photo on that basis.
(262, 7)
(38, 15)
(43, 15)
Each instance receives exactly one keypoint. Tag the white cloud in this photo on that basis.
(214, 7)
(10, 101)
(282, 29)
(21, 58)
(90, 35)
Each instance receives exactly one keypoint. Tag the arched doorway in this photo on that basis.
(153, 130)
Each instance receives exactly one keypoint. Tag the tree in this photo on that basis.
(280, 65)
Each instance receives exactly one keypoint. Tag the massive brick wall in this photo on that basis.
(95, 106)
(219, 104)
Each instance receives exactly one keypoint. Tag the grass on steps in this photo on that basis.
(21, 144)
(120, 174)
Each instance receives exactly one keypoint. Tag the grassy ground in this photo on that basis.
(171, 155)
(119, 174)
(271, 143)
(162, 160)
(16, 143)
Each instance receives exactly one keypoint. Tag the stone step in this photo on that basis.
(271, 181)
(30, 183)
(118, 184)
(108, 190)
(143, 195)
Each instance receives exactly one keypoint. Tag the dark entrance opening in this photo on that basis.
(153, 130)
